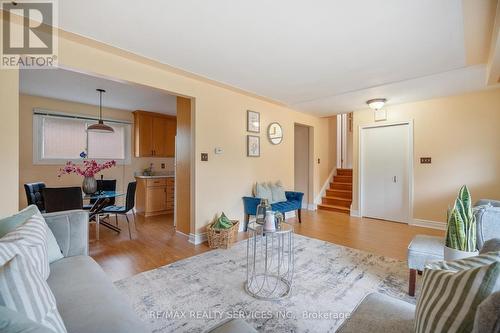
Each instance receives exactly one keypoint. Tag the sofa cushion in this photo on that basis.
(88, 301)
(286, 206)
(379, 313)
(232, 326)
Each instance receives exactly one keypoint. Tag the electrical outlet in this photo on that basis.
(204, 157)
(319, 161)
(425, 160)
(163, 165)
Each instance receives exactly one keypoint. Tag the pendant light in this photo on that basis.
(100, 126)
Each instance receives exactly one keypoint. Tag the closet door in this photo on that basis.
(385, 161)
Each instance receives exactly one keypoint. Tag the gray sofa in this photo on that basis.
(379, 313)
(86, 298)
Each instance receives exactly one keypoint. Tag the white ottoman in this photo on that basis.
(422, 250)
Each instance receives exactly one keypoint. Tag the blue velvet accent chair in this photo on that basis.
(293, 202)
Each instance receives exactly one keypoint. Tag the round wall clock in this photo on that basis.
(275, 133)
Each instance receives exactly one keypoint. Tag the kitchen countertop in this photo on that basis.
(156, 176)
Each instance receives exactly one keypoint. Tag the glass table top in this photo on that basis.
(284, 228)
(104, 195)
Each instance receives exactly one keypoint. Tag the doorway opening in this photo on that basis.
(386, 171)
(344, 140)
(303, 163)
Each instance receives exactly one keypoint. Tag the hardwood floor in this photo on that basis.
(155, 243)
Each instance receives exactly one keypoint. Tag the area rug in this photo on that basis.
(194, 294)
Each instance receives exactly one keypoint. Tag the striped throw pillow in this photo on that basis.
(23, 290)
(467, 263)
(449, 300)
(30, 241)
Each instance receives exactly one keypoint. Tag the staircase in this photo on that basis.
(339, 196)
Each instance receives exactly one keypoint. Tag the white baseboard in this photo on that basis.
(312, 207)
(198, 238)
(326, 185)
(354, 213)
(428, 224)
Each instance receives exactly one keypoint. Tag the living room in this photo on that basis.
(435, 68)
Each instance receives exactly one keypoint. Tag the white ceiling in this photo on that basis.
(81, 88)
(321, 56)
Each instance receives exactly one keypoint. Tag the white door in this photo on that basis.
(385, 178)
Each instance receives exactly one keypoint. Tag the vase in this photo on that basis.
(453, 254)
(89, 185)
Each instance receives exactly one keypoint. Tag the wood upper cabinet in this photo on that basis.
(154, 134)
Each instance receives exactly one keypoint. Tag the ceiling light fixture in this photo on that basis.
(100, 126)
(376, 103)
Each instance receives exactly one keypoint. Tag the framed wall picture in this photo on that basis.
(253, 146)
(253, 121)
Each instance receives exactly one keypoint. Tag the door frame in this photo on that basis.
(310, 180)
(410, 164)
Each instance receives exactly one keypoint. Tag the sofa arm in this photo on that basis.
(294, 196)
(250, 205)
(71, 229)
(487, 202)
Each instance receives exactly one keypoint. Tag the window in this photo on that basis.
(59, 138)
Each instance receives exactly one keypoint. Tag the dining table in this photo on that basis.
(99, 201)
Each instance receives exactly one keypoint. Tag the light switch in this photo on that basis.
(218, 150)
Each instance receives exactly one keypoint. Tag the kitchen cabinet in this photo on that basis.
(155, 195)
(154, 134)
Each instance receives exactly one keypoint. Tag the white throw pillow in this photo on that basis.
(23, 290)
(263, 191)
(30, 241)
(278, 192)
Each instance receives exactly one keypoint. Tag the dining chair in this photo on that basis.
(34, 195)
(123, 210)
(103, 185)
(58, 199)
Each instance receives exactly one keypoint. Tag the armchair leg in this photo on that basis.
(299, 212)
(411, 282)
(247, 219)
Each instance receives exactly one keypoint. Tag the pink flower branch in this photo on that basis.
(89, 168)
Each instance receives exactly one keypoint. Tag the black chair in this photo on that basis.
(123, 210)
(103, 185)
(62, 198)
(34, 195)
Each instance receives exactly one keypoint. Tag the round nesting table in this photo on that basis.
(269, 262)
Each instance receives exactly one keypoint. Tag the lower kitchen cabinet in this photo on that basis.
(155, 195)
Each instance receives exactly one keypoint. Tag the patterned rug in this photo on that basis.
(194, 294)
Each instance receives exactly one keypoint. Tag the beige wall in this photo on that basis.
(461, 134)
(28, 172)
(219, 119)
(9, 139)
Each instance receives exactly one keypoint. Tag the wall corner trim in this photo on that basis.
(354, 213)
(428, 224)
(197, 238)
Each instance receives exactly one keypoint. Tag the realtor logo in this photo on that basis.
(29, 39)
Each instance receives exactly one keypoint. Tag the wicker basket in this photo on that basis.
(222, 238)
